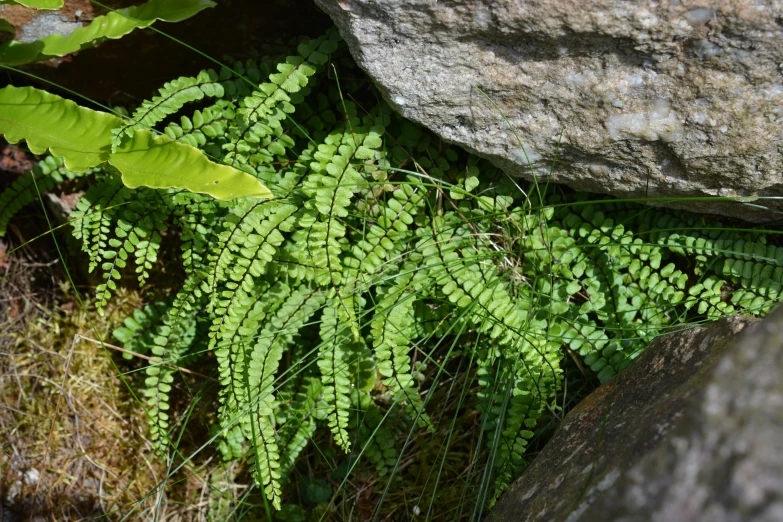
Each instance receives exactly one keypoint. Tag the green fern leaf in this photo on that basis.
(95, 213)
(35, 4)
(111, 26)
(44, 176)
(299, 425)
(83, 138)
(139, 329)
(261, 370)
(171, 98)
(392, 329)
(333, 362)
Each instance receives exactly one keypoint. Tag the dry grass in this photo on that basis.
(72, 436)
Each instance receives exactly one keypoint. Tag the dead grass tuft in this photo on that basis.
(72, 436)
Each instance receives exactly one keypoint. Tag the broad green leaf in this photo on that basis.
(83, 138)
(113, 25)
(5, 26)
(37, 4)
(158, 162)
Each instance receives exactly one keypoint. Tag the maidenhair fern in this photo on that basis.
(381, 242)
(43, 177)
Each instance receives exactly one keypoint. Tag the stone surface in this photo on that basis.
(665, 98)
(47, 24)
(691, 432)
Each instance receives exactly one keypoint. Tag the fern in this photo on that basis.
(332, 361)
(222, 499)
(262, 369)
(171, 98)
(393, 333)
(382, 245)
(139, 329)
(113, 25)
(44, 176)
(83, 138)
(378, 435)
(298, 423)
(95, 217)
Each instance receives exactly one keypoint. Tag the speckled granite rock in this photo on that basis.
(676, 97)
(691, 432)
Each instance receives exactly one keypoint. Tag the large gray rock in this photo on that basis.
(665, 98)
(691, 432)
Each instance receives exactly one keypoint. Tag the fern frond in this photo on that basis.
(139, 225)
(378, 434)
(392, 331)
(203, 126)
(260, 129)
(222, 498)
(45, 175)
(160, 376)
(171, 98)
(299, 424)
(139, 330)
(232, 443)
(388, 234)
(95, 215)
(536, 380)
(261, 370)
(252, 236)
(333, 361)
(331, 187)
(231, 339)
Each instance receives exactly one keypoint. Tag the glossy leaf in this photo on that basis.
(83, 138)
(110, 26)
(36, 4)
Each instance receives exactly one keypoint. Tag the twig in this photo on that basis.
(151, 359)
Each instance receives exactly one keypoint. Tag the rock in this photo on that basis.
(690, 432)
(47, 24)
(32, 24)
(669, 98)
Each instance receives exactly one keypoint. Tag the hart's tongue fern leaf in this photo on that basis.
(381, 241)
